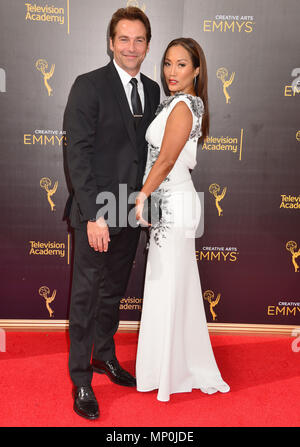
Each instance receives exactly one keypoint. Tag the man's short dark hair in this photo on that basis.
(129, 13)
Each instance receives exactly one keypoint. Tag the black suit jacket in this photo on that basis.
(103, 147)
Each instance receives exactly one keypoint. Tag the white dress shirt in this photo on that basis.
(125, 79)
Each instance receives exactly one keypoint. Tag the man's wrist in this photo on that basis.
(100, 221)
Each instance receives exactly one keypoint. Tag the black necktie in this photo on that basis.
(136, 101)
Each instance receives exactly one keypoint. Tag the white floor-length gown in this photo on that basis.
(174, 350)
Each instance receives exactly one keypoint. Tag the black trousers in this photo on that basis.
(99, 283)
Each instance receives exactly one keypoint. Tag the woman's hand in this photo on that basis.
(139, 207)
(98, 235)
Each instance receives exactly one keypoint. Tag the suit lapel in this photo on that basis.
(120, 95)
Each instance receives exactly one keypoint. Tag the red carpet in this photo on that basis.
(263, 372)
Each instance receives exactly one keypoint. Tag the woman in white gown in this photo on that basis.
(174, 350)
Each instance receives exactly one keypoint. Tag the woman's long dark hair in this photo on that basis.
(198, 59)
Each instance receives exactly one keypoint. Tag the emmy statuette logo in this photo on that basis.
(44, 291)
(292, 247)
(45, 183)
(222, 74)
(209, 296)
(42, 66)
(214, 189)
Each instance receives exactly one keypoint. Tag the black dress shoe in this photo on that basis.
(114, 371)
(85, 402)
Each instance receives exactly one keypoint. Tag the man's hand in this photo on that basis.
(98, 235)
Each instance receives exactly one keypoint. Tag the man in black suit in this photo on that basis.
(106, 118)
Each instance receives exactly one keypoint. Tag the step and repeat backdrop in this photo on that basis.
(248, 167)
